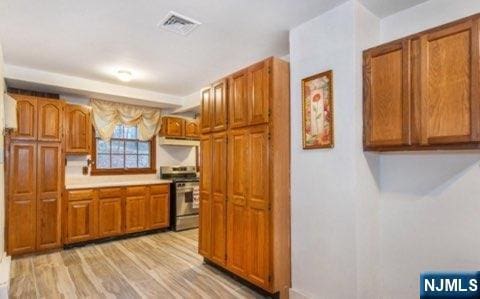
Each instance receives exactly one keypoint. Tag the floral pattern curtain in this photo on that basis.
(106, 115)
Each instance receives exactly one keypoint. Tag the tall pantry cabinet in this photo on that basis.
(245, 175)
(34, 166)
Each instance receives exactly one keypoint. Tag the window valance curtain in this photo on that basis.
(106, 115)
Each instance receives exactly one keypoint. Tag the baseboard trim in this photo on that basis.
(5, 276)
(295, 294)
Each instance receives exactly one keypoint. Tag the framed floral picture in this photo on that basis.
(317, 106)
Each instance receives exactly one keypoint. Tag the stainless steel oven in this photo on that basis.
(184, 204)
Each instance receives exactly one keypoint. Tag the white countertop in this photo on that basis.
(81, 181)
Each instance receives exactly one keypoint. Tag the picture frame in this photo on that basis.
(317, 111)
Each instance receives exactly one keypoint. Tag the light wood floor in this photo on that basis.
(163, 265)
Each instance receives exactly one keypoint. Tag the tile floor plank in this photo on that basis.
(163, 265)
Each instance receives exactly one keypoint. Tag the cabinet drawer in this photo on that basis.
(80, 194)
(159, 189)
(109, 192)
(138, 190)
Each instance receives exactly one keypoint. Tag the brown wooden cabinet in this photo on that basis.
(179, 128)
(49, 195)
(159, 207)
(214, 107)
(173, 127)
(78, 129)
(422, 92)
(35, 175)
(244, 180)
(191, 129)
(204, 238)
(113, 211)
(26, 118)
(22, 197)
(109, 212)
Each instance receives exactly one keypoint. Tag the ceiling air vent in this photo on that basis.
(179, 24)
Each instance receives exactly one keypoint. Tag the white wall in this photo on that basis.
(333, 189)
(2, 170)
(429, 201)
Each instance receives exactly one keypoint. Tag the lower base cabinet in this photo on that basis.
(105, 212)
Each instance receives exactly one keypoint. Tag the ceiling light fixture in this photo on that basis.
(124, 75)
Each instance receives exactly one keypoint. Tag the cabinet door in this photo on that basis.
(206, 117)
(50, 120)
(26, 118)
(387, 96)
(78, 129)
(237, 209)
(238, 99)
(21, 213)
(258, 92)
(109, 216)
(191, 129)
(159, 207)
(80, 220)
(174, 126)
(258, 240)
(449, 85)
(49, 194)
(219, 195)
(135, 209)
(204, 243)
(219, 105)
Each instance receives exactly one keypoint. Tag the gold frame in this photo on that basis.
(329, 75)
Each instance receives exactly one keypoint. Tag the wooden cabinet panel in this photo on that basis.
(81, 225)
(258, 207)
(219, 195)
(135, 213)
(387, 96)
(173, 127)
(78, 129)
(26, 118)
(238, 99)
(159, 211)
(22, 208)
(204, 241)
(258, 92)
(206, 117)
(237, 209)
(50, 120)
(449, 84)
(191, 129)
(219, 106)
(109, 216)
(49, 194)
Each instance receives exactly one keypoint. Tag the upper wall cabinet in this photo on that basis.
(205, 124)
(422, 92)
(78, 129)
(38, 118)
(179, 128)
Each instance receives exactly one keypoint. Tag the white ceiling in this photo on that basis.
(93, 39)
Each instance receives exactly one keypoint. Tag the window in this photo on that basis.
(124, 153)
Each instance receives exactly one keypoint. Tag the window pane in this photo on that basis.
(117, 147)
(144, 147)
(103, 161)
(103, 147)
(143, 161)
(117, 161)
(131, 147)
(118, 132)
(131, 132)
(131, 161)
